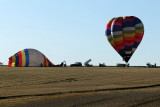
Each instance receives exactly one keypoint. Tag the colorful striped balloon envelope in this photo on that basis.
(29, 58)
(125, 34)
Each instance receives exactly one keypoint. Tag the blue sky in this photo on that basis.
(74, 30)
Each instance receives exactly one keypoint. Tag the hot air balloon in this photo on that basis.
(125, 34)
(29, 58)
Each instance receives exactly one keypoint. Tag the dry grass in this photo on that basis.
(19, 81)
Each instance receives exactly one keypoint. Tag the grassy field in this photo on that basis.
(26, 84)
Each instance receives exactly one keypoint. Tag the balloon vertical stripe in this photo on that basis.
(23, 58)
(139, 33)
(109, 36)
(10, 62)
(13, 60)
(117, 34)
(27, 57)
(45, 63)
(128, 34)
(17, 60)
(20, 58)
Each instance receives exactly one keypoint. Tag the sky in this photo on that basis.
(74, 30)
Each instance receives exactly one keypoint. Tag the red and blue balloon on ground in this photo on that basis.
(29, 58)
(125, 34)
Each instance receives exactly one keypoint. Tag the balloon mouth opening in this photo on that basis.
(126, 58)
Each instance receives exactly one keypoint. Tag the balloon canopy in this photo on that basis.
(29, 58)
(125, 34)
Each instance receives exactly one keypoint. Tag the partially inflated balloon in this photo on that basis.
(125, 34)
(29, 57)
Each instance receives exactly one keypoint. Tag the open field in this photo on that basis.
(37, 84)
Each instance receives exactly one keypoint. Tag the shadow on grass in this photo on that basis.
(65, 80)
